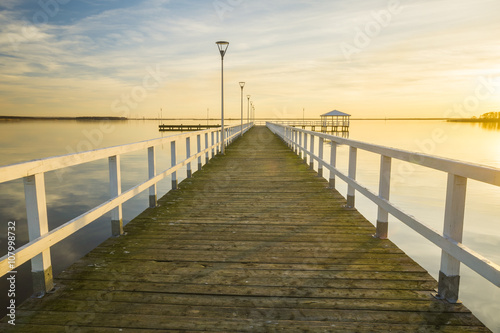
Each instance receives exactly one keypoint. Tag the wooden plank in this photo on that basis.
(254, 242)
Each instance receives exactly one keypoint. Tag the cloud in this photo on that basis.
(288, 52)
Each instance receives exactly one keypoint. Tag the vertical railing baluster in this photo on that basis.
(300, 144)
(311, 154)
(449, 274)
(305, 147)
(36, 210)
(320, 155)
(219, 143)
(207, 153)
(173, 162)
(198, 146)
(353, 152)
(189, 173)
(153, 201)
(115, 187)
(333, 163)
(212, 145)
(384, 193)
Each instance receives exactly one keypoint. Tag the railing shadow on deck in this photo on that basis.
(41, 239)
(449, 241)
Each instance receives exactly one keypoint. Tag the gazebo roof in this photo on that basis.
(335, 113)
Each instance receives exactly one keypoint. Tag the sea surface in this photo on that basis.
(417, 190)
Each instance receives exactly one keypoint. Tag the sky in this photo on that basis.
(368, 58)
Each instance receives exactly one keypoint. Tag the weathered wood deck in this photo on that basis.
(254, 242)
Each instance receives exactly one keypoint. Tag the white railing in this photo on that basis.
(311, 123)
(41, 239)
(450, 240)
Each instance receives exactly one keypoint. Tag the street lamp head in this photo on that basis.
(242, 84)
(248, 96)
(222, 47)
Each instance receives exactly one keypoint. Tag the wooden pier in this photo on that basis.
(254, 242)
(186, 128)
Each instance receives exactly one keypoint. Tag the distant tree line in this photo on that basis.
(490, 115)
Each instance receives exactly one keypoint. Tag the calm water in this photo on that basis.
(419, 191)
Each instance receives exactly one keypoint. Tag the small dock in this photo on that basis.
(254, 242)
(184, 128)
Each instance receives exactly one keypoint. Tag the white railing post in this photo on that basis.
(449, 274)
(213, 142)
(151, 174)
(383, 192)
(219, 143)
(198, 146)
(36, 210)
(207, 153)
(320, 155)
(189, 173)
(300, 145)
(115, 188)
(294, 138)
(311, 154)
(333, 163)
(173, 162)
(353, 152)
(305, 148)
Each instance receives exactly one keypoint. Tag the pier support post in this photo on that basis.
(151, 174)
(173, 160)
(36, 210)
(383, 192)
(311, 153)
(449, 274)
(333, 162)
(353, 152)
(320, 155)
(189, 172)
(115, 188)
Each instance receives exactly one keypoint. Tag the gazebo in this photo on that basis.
(336, 120)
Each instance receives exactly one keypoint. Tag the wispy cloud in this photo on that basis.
(90, 52)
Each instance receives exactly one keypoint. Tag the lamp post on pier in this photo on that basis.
(222, 49)
(242, 84)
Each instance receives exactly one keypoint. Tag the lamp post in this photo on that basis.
(242, 84)
(248, 109)
(222, 49)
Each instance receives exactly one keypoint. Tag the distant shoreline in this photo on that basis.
(101, 118)
(90, 118)
(474, 120)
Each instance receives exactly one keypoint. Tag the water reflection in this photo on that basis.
(489, 125)
(415, 190)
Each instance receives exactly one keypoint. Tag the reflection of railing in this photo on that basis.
(453, 251)
(41, 239)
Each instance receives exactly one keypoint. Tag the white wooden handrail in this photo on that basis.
(450, 240)
(41, 239)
